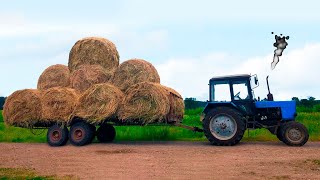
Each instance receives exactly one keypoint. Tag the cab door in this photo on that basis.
(241, 95)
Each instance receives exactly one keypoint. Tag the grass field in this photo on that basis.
(157, 133)
(19, 173)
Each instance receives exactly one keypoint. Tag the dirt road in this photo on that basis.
(167, 160)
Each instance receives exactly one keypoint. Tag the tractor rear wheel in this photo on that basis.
(223, 126)
(57, 136)
(279, 135)
(81, 134)
(106, 133)
(294, 133)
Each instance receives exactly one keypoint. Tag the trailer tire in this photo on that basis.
(106, 133)
(223, 126)
(81, 133)
(93, 128)
(294, 134)
(57, 136)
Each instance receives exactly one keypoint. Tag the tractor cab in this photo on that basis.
(232, 109)
(235, 91)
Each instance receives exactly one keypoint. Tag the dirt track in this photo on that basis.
(167, 160)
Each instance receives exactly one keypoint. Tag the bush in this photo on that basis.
(316, 108)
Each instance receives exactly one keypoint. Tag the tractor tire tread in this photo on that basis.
(89, 134)
(290, 125)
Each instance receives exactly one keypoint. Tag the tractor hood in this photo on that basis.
(288, 108)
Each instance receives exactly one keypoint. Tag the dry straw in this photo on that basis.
(134, 71)
(58, 104)
(88, 75)
(98, 103)
(54, 76)
(94, 51)
(23, 108)
(145, 103)
(176, 105)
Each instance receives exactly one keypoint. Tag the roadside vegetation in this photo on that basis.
(20, 173)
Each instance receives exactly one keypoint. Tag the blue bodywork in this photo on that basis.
(288, 108)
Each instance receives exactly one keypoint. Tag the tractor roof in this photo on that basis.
(236, 76)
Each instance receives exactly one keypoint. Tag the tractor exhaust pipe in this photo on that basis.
(269, 96)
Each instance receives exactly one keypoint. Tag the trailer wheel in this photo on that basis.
(294, 134)
(223, 126)
(93, 128)
(81, 134)
(106, 133)
(57, 136)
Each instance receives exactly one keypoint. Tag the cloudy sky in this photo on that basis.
(188, 41)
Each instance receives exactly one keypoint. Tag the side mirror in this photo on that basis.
(254, 81)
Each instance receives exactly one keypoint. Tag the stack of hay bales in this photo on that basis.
(96, 88)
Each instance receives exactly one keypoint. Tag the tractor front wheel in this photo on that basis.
(294, 134)
(57, 136)
(223, 126)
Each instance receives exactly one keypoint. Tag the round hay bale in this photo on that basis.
(54, 76)
(58, 104)
(23, 108)
(134, 71)
(144, 103)
(94, 51)
(99, 102)
(176, 105)
(88, 75)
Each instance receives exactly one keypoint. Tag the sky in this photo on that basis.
(188, 42)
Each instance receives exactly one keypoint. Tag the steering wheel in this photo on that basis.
(237, 95)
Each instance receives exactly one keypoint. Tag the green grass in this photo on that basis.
(16, 134)
(1, 118)
(316, 161)
(163, 133)
(15, 173)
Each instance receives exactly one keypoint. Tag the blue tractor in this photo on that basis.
(232, 109)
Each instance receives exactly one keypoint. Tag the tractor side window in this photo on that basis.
(222, 92)
(240, 91)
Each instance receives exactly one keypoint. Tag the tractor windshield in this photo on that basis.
(220, 91)
(240, 90)
(235, 89)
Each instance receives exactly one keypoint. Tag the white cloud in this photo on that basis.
(190, 76)
(296, 74)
